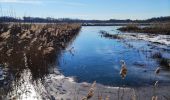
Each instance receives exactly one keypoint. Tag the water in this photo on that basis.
(96, 58)
(88, 57)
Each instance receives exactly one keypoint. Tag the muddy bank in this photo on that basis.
(32, 47)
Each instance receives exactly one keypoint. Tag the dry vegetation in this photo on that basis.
(155, 28)
(34, 37)
(39, 43)
(108, 35)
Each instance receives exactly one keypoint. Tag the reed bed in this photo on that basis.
(36, 40)
(41, 44)
(155, 28)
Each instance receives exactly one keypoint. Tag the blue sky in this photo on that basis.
(87, 9)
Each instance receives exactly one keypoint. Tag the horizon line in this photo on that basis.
(85, 19)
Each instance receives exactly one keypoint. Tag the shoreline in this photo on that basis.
(154, 38)
(69, 89)
(156, 28)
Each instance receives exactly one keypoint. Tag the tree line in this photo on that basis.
(68, 20)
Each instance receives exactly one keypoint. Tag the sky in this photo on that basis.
(86, 9)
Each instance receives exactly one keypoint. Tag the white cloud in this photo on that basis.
(21, 1)
(70, 3)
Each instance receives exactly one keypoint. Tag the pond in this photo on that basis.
(96, 58)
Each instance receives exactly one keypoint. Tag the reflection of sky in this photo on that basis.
(98, 58)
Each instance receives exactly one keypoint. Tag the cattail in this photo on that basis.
(100, 98)
(107, 98)
(154, 97)
(123, 71)
(90, 93)
(84, 98)
(157, 71)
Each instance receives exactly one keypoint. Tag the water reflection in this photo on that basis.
(98, 59)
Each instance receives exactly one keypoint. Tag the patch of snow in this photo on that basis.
(162, 39)
(25, 90)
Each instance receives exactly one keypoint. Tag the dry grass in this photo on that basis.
(155, 28)
(123, 71)
(90, 92)
(41, 44)
(155, 98)
(43, 38)
(107, 97)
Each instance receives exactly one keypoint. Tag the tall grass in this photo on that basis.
(41, 44)
(91, 92)
(155, 28)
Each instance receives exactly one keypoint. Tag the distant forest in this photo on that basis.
(67, 20)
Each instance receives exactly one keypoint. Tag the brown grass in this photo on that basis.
(90, 92)
(155, 28)
(41, 44)
(123, 71)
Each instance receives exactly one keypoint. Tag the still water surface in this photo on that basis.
(96, 58)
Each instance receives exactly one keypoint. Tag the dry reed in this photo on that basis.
(154, 97)
(107, 97)
(123, 71)
(90, 92)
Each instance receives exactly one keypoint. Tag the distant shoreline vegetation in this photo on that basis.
(156, 28)
(110, 22)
